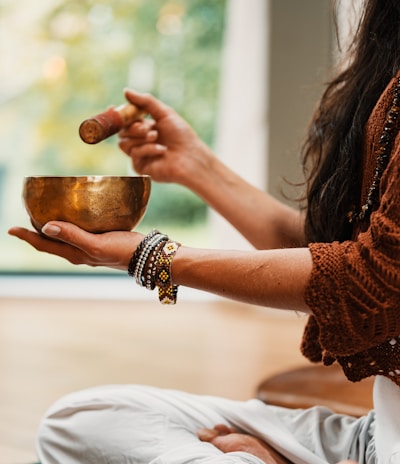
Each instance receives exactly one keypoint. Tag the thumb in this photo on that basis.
(207, 434)
(151, 105)
(68, 233)
(51, 229)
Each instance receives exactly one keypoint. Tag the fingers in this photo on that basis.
(145, 159)
(54, 238)
(148, 103)
(211, 434)
(139, 141)
(223, 429)
(68, 233)
(34, 238)
(17, 231)
(137, 148)
(143, 129)
(89, 248)
(48, 244)
(110, 249)
(129, 139)
(137, 134)
(207, 434)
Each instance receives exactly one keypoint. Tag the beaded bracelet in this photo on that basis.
(138, 251)
(138, 261)
(151, 268)
(148, 256)
(150, 265)
(167, 291)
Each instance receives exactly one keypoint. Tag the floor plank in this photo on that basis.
(51, 347)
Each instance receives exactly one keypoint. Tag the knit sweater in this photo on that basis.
(354, 289)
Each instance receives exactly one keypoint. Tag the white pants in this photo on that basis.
(145, 425)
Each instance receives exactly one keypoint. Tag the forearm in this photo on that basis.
(273, 278)
(264, 221)
(169, 150)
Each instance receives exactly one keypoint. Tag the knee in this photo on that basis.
(99, 425)
(72, 428)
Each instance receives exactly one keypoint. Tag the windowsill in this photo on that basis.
(85, 287)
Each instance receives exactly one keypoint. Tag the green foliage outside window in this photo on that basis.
(76, 57)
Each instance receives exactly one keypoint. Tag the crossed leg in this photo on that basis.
(139, 424)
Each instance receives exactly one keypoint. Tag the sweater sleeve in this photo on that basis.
(354, 289)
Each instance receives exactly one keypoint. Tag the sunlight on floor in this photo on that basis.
(51, 347)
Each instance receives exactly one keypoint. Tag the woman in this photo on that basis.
(338, 262)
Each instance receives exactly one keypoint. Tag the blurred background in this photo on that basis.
(63, 61)
(246, 74)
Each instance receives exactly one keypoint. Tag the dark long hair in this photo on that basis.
(333, 147)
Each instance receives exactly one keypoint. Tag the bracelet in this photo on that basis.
(138, 251)
(150, 265)
(146, 256)
(167, 290)
(146, 248)
(151, 268)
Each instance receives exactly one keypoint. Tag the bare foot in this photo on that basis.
(228, 440)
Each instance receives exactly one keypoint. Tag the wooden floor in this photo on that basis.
(52, 347)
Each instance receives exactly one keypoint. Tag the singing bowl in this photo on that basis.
(94, 203)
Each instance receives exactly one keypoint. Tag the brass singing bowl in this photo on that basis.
(94, 203)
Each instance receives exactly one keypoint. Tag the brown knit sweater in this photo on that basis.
(354, 290)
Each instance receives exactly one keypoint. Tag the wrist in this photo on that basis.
(196, 166)
(151, 265)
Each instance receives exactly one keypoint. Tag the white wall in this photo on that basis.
(276, 54)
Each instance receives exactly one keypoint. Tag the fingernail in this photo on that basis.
(51, 230)
(152, 135)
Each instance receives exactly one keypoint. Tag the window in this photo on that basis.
(67, 60)
(227, 68)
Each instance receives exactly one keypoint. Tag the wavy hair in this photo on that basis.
(332, 151)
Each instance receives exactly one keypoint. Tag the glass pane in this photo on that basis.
(63, 61)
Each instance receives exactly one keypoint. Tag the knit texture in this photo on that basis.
(354, 289)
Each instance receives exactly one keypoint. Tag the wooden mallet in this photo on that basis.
(111, 121)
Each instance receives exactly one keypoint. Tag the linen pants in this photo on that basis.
(146, 425)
